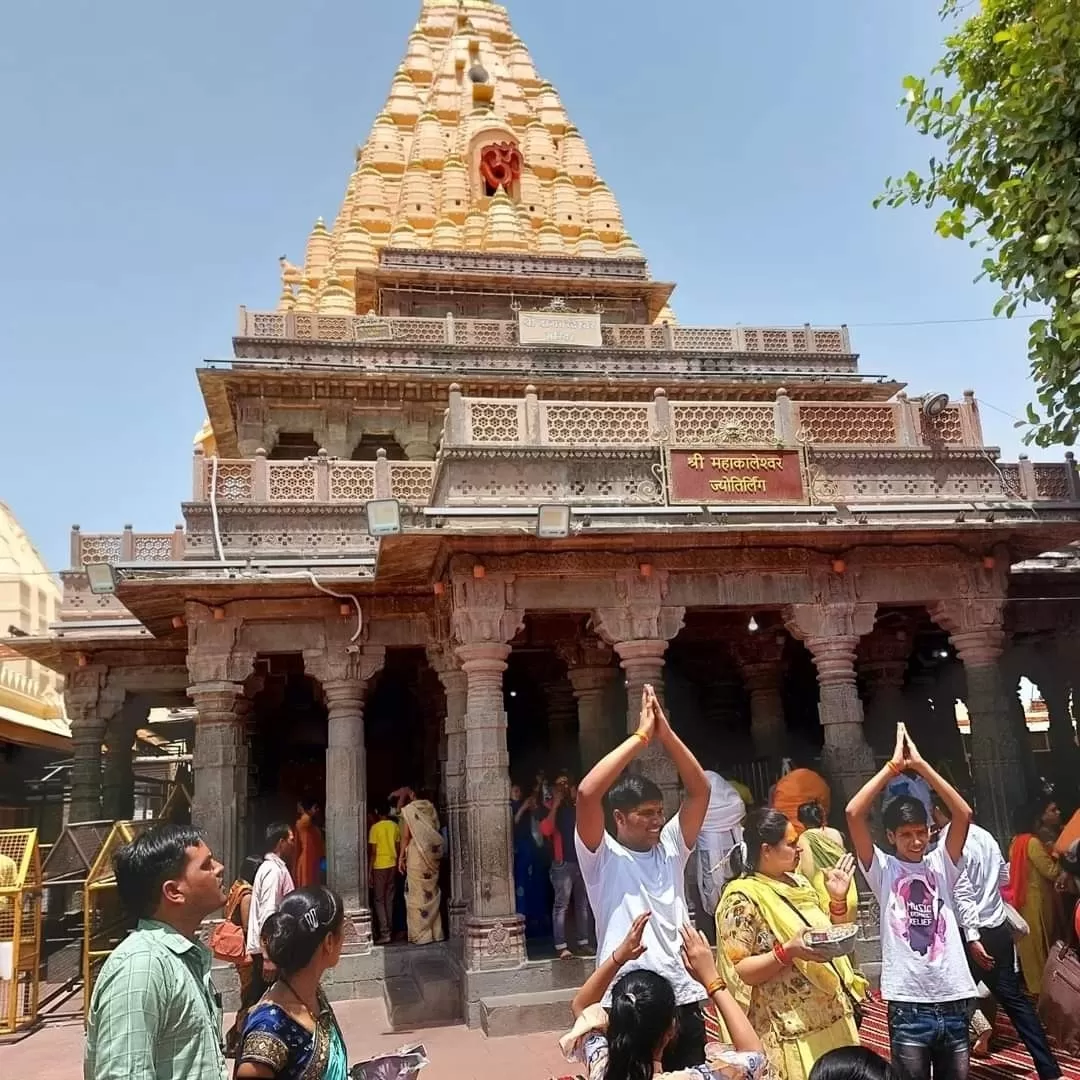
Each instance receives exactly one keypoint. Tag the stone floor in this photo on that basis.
(55, 1051)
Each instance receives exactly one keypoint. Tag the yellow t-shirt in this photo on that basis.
(384, 837)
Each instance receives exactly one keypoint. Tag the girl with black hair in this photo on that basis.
(802, 1004)
(628, 1042)
(292, 1032)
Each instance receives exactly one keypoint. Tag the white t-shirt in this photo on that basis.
(923, 957)
(622, 884)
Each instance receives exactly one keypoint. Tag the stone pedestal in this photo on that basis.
(455, 687)
(975, 629)
(494, 932)
(221, 771)
(831, 632)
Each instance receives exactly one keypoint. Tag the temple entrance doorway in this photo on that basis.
(288, 735)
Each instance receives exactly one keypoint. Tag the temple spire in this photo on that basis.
(467, 119)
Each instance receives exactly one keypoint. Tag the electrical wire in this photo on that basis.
(342, 596)
(213, 508)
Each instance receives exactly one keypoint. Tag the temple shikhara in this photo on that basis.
(472, 484)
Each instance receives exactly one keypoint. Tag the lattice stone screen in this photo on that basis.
(707, 425)
(150, 547)
(946, 427)
(1051, 482)
(493, 421)
(597, 425)
(235, 480)
(99, 548)
(848, 424)
(410, 483)
(352, 481)
(292, 481)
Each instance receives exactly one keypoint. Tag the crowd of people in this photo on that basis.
(779, 994)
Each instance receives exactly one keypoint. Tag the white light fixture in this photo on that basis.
(384, 517)
(752, 625)
(513, 693)
(553, 522)
(102, 578)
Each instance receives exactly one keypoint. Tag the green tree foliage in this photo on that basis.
(1004, 102)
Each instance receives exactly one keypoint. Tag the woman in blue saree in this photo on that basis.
(292, 1033)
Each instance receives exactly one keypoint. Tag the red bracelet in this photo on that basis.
(896, 770)
(781, 954)
(838, 907)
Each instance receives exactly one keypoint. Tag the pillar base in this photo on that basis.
(357, 932)
(494, 942)
(458, 911)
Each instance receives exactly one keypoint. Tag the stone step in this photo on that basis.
(426, 994)
(522, 1014)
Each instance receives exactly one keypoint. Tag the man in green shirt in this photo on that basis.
(154, 1014)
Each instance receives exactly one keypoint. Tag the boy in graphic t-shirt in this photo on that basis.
(924, 971)
(642, 868)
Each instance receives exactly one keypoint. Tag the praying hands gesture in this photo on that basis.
(838, 879)
(631, 947)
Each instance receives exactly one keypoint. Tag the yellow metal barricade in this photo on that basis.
(20, 929)
(105, 923)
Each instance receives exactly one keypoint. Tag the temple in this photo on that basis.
(471, 485)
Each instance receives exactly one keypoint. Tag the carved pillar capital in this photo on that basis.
(590, 681)
(975, 627)
(216, 653)
(588, 652)
(483, 609)
(92, 700)
(345, 665)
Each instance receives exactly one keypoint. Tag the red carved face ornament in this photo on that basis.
(500, 165)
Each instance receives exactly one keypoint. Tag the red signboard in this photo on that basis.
(715, 477)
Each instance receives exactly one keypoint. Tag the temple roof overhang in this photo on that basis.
(409, 565)
(425, 381)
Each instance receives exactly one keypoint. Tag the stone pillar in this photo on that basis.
(590, 671)
(761, 660)
(639, 631)
(219, 805)
(562, 714)
(831, 631)
(217, 667)
(118, 775)
(455, 686)
(345, 672)
(90, 702)
(975, 629)
(483, 622)
(882, 658)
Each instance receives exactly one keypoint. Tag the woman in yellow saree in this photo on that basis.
(801, 1005)
(421, 853)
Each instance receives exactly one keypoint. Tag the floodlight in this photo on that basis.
(553, 522)
(102, 578)
(384, 517)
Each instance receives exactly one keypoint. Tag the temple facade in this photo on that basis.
(471, 485)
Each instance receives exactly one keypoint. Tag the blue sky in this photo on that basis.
(158, 158)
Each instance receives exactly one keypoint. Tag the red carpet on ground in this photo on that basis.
(1010, 1060)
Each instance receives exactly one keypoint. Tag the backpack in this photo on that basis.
(228, 940)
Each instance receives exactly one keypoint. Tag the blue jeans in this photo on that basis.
(927, 1039)
(568, 884)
